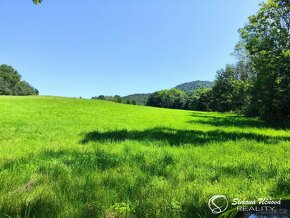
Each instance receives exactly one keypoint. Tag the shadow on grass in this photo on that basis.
(229, 121)
(176, 137)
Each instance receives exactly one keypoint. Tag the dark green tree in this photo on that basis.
(4, 87)
(266, 38)
(24, 88)
(11, 84)
(101, 97)
(37, 2)
(231, 89)
(199, 99)
(118, 99)
(222, 90)
(173, 98)
(9, 78)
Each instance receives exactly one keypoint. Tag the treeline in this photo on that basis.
(140, 99)
(12, 84)
(228, 93)
(177, 99)
(115, 98)
(259, 83)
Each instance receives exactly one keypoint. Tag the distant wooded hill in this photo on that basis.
(138, 98)
(186, 87)
(190, 86)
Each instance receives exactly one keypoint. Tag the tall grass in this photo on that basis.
(64, 157)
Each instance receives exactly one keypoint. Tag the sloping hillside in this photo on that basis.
(64, 157)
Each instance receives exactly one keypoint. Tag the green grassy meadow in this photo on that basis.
(66, 157)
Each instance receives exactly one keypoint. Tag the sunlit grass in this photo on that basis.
(64, 157)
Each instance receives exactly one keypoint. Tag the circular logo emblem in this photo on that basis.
(218, 204)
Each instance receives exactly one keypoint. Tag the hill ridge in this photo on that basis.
(141, 98)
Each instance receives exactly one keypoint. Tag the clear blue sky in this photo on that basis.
(92, 47)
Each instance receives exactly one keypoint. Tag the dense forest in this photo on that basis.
(12, 84)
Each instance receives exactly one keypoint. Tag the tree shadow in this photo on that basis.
(176, 137)
(229, 121)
